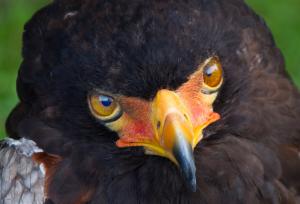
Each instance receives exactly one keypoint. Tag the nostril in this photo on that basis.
(158, 125)
(185, 116)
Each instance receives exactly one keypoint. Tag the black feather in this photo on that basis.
(135, 48)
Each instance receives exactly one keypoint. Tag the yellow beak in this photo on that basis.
(175, 133)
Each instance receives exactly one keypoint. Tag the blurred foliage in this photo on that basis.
(13, 16)
(283, 17)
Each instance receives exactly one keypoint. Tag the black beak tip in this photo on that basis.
(186, 163)
(192, 184)
(189, 175)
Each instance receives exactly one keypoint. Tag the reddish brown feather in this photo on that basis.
(50, 162)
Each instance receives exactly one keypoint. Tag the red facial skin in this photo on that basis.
(138, 125)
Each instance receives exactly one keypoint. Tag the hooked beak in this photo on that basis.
(176, 137)
(176, 134)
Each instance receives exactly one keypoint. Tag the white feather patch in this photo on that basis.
(24, 146)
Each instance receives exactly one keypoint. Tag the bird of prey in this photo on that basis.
(162, 101)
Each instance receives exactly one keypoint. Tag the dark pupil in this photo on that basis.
(210, 70)
(105, 101)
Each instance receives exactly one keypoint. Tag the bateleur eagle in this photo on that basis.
(151, 102)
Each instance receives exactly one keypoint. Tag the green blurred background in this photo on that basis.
(283, 18)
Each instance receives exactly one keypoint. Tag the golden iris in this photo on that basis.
(213, 73)
(102, 105)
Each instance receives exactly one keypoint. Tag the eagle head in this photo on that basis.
(171, 124)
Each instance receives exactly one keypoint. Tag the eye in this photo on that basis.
(213, 73)
(104, 107)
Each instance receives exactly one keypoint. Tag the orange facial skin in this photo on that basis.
(139, 127)
(134, 123)
(156, 125)
(170, 125)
